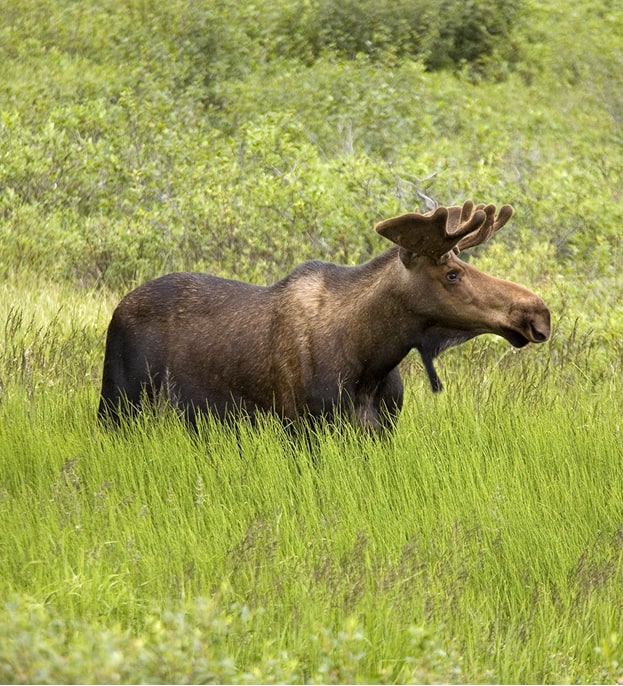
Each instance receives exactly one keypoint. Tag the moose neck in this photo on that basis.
(374, 304)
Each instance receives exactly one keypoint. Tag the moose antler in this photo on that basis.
(445, 229)
(491, 224)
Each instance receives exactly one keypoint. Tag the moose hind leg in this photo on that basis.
(121, 385)
(120, 397)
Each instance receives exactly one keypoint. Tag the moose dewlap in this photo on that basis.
(326, 340)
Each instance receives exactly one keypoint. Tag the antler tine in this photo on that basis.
(436, 233)
(464, 219)
(467, 210)
(488, 228)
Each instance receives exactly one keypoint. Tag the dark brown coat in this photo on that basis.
(324, 340)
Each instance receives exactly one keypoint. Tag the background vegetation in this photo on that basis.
(482, 543)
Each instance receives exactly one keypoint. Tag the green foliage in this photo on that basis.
(200, 36)
(487, 528)
(191, 645)
(152, 145)
(443, 34)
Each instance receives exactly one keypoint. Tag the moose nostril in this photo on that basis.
(538, 336)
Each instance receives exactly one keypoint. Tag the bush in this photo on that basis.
(153, 145)
(444, 34)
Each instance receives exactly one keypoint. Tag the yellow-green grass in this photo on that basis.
(482, 542)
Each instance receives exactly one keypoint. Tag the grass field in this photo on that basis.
(483, 541)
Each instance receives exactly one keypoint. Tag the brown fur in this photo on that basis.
(324, 341)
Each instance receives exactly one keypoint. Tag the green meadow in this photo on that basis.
(483, 541)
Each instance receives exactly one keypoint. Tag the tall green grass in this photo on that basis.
(483, 542)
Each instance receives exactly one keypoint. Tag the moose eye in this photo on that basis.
(452, 276)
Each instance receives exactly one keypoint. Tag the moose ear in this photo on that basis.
(406, 230)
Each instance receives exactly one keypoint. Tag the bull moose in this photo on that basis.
(326, 340)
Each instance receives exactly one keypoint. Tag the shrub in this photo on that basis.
(444, 34)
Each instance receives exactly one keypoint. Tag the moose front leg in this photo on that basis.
(433, 377)
(378, 410)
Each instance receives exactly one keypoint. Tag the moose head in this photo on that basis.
(460, 300)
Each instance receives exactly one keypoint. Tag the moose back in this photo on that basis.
(326, 340)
